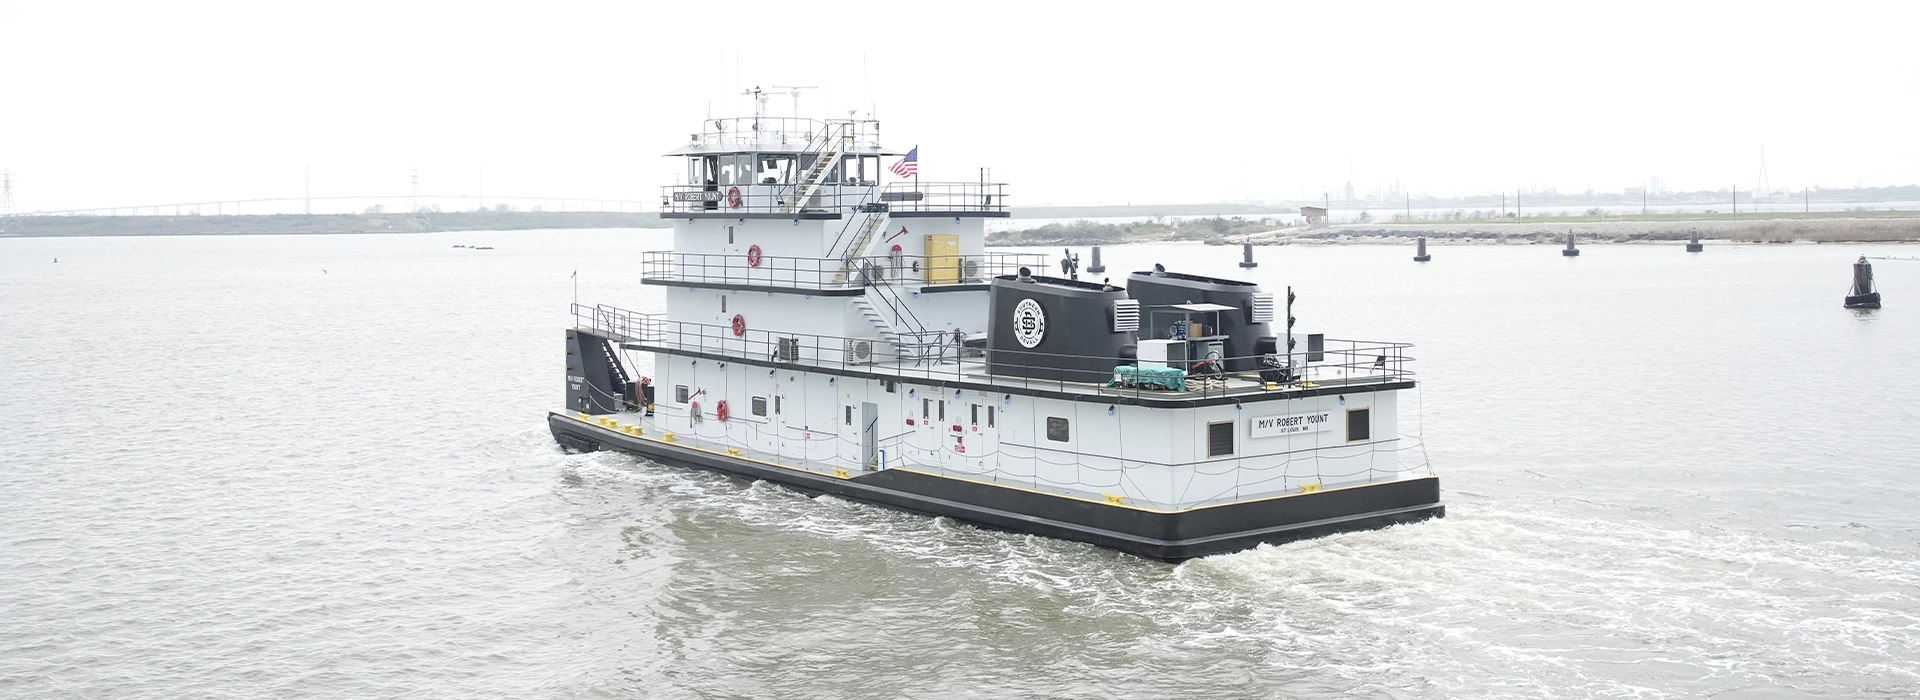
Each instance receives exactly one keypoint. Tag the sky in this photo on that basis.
(119, 104)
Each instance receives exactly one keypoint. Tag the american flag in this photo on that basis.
(908, 166)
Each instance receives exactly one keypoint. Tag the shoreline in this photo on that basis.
(319, 224)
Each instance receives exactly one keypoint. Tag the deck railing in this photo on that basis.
(945, 197)
(938, 356)
(959, 198)
(747, 133)
(666, 266)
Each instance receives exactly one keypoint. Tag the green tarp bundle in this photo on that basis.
(1166, 378)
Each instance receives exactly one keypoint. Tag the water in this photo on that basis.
(229, 474)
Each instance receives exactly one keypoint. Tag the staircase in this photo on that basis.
(858, 248)
(826, 153)
(879, 322)
(617, 372)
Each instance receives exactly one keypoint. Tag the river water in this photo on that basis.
(244, 467)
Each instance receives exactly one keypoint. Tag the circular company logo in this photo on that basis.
(1029, 323)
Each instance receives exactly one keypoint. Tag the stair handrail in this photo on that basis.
(816, 148)
(865, 198)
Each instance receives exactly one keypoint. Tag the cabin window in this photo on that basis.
(926, 409)
(776, 169)
(989, 416)
(760, 406)
(889, 386)
(776, 405)
(1359, 424)
(1220, 438)
(975, 418)
(849, 415)
(1057, 429)
(729, 235)
(680, 393)
(943, 410)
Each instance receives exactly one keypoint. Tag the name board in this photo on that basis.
(696, 196)
(1295, 424)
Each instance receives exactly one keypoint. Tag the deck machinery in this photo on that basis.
(835, 332)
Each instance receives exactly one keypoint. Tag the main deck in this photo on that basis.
(943, 360)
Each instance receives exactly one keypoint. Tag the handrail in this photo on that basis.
(821, 273)
(860, 207)
(1349, 362)
(746, 132)
(946, 196)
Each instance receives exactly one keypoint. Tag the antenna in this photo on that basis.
(760, 98)
(794, 91)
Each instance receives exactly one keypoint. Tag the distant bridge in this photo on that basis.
(398, 204)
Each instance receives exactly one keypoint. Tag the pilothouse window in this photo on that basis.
(776, 169)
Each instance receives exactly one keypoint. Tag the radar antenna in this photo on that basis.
(794, 92)
(760, 98)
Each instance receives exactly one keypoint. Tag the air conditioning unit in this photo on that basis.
(1262, 308)
(786, 349)
(970, 269)
(1126, 315)
(859, 351)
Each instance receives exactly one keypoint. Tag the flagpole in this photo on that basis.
(916, 167)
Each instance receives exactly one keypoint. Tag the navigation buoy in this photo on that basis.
(1862, 295)
(1246, 253)
(1420, 252)
(1096, 266)
(1571, 251)
(1693, 244)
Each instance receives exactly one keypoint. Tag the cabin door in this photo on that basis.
(943, 258)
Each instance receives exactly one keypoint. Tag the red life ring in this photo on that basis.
(720, 410)
(733, 197)
(753, 256)
(739, 324)
(693, 410)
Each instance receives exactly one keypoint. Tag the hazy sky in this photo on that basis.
(154, 102)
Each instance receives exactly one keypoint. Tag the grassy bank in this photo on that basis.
(1088, 232)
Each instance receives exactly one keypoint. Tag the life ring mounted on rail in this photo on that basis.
(733, 197)
(739, 325)
(693, 411)
(720, 410)
(753, 256)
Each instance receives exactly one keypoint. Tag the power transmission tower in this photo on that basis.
(7, 225)
(1762, 189)
(413, 194)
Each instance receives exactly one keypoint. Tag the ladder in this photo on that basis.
(857, 249)
(826, 153)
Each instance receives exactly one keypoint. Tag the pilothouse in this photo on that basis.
(833, 326)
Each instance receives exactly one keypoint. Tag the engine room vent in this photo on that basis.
(1262, 308)
(1126, 315)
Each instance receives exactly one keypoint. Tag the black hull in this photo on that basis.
(1870, 300)
(1168, 536)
